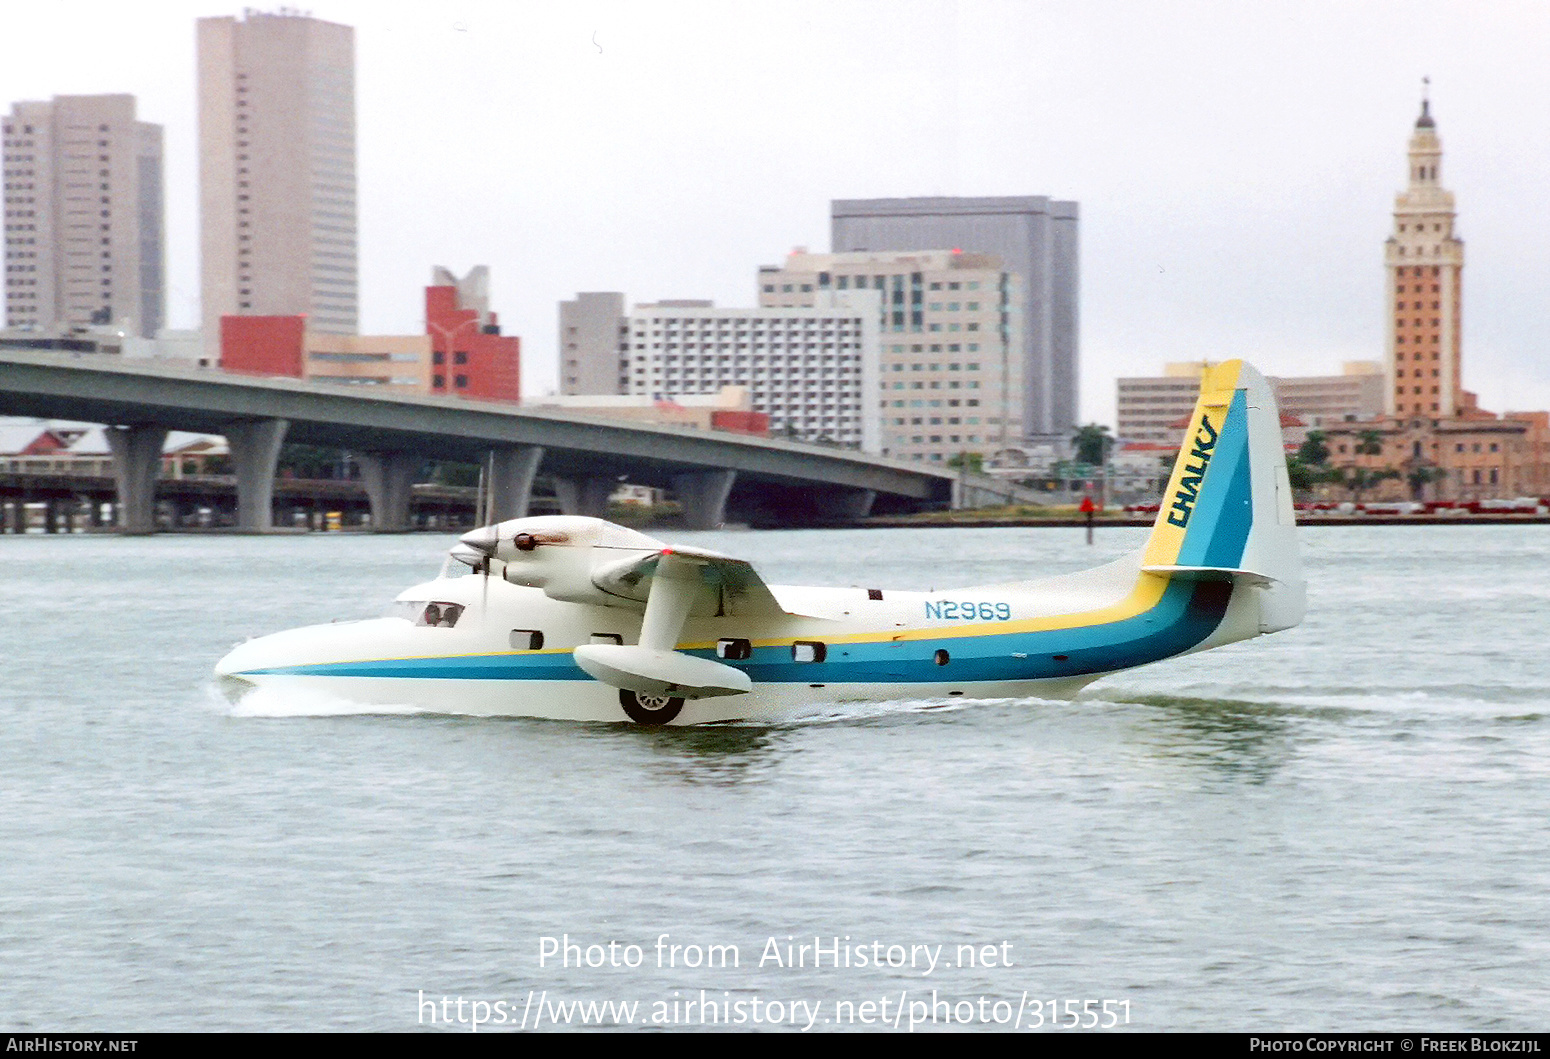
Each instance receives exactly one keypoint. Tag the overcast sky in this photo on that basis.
(1235, 162)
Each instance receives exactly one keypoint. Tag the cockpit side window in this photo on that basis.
(436, 614)
(433, 614)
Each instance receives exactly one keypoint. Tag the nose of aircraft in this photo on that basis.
(232, 686)
(242, 657)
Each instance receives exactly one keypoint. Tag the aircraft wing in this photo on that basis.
(728, 586)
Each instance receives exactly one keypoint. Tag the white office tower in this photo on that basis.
(277, 170)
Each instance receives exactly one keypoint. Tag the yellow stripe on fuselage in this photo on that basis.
(1146, 594)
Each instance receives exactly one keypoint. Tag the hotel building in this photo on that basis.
(949, 345)
(1035, 238)
(812, 370)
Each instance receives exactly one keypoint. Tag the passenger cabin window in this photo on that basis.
(527, 640)
(808, 651)
(606, 637)
(735, 649)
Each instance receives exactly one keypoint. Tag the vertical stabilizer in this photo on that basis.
(1227, 511)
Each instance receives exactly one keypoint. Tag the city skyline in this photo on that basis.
(1235, 168)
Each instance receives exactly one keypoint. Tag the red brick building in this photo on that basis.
(461, 353)
(470, 357)
(264, 345)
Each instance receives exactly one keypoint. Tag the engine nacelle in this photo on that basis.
(558, 553)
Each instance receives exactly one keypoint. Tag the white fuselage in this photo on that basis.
(988, 642)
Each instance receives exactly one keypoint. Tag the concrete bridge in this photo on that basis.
(714, 475)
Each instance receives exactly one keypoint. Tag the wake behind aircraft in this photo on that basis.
(576, 618)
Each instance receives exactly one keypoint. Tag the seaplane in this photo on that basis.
(576, 618)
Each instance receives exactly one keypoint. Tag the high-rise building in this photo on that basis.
(594, 344)
(949, 345)
(277, 170)
(1425, 266)
(83, 216)
(812, 369)
(1036, 238)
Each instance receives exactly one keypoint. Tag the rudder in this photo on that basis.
(1227, 511)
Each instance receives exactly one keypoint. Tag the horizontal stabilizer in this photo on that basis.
(656, 672)
(1211, 573)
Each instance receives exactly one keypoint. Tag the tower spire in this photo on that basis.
(1425, 120)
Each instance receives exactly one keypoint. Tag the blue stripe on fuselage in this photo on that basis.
(1187, 613)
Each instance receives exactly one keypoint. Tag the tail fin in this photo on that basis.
(1227, 512)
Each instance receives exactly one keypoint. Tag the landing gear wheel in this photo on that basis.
(650, 709)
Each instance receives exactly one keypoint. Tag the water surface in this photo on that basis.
(1338, 827)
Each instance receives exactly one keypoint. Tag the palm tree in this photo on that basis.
(1422, 476)
(972, 462)
(1359, 479)
(1093, 443)
(1313, 452)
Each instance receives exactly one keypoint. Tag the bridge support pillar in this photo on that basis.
(255, 452)
(854, 504)
(584, 496)
(704, 497)
(510, 481)
(388, 477)
(136, 465)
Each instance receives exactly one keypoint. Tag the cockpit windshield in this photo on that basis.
(453, 567)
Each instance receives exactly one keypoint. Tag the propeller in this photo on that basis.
(477, 548)
(484, 591)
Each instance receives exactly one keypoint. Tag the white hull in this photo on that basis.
(586, 700)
